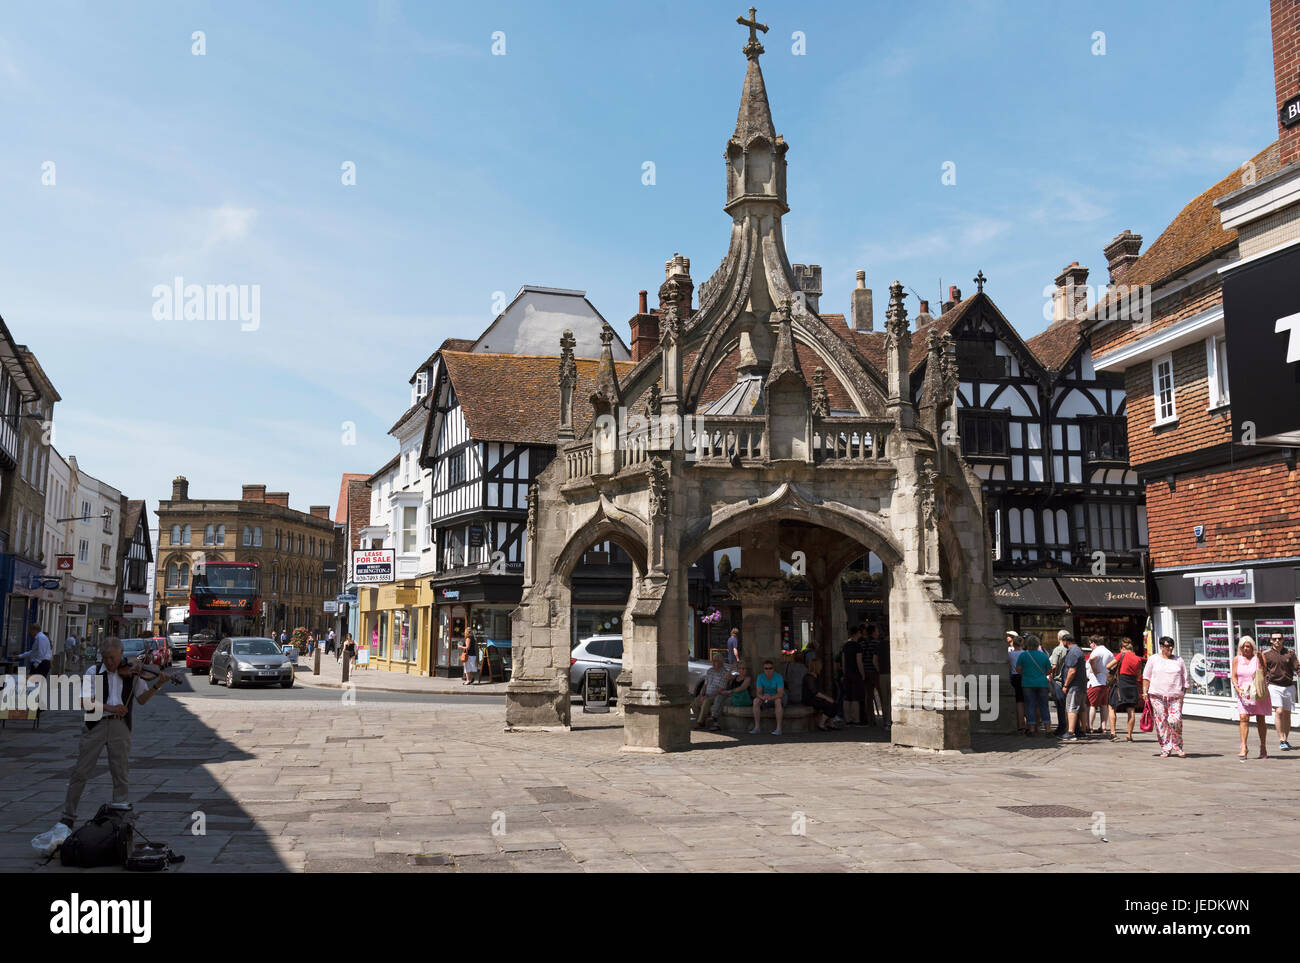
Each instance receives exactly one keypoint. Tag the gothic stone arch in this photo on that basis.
(777, 461)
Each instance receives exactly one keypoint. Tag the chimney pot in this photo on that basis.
(925, 307)
(862, 279)
(642, 306)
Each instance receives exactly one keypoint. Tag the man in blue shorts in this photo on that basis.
(770, 686)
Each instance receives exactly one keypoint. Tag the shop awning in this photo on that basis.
(1027, 594)
(1110, 594)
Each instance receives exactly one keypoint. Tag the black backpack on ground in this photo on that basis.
(104, 841)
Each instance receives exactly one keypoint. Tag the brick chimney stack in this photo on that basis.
(254, 493)
(645, 328)
(1070, 300)
(180, 489)
(1120, 255)
(320, 511)
(860, 317)
(1286, 74)
(954, 298)
(278, 498)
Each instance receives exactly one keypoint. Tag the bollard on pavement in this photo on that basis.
(315, 663)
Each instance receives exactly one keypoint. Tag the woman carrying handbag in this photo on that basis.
(1164, 682)
(1252, 695)
(1126, 693)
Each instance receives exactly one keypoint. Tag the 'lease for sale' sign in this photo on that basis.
(370, 566)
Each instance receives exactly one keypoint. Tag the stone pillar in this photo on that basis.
(655, 694)
(761, 589)
(928, 702)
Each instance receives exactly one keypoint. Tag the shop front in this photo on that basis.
(1208, 611)
(135, 614)
(19, 580)
(1032, 604)
(395, 627)
(1113, 609)
(481, 602)
(97, 625)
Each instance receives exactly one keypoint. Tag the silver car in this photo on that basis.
(248, 659)
(606, 652)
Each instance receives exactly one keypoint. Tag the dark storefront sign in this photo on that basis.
(1027, 594)
(1261, 316)
(1104, 594)
(1260, 585)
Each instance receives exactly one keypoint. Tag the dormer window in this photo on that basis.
(421, 385)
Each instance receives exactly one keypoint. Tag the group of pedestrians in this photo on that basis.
(1091, 687)
(798, 681)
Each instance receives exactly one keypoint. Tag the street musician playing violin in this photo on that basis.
(111, 689)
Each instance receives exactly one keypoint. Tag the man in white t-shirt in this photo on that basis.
(108, 699)
(1099, 707)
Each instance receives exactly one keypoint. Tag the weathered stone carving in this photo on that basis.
(660, 490)
(821, 403)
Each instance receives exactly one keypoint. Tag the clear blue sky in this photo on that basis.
(478, 173)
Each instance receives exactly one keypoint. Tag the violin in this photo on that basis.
(137, 667)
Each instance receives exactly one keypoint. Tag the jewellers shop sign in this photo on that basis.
(372, 566)
(1261, 317)
(1224, 588)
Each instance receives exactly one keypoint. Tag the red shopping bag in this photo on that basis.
(1147, 722)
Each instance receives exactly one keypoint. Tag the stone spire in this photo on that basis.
(568, 379)
(607, 395)
(898, 357)
(755, 116)
(784, 359)
(755, 152)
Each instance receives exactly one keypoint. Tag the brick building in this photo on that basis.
(351, 515)
(1223, 509)
(296, 550)
(27, 399)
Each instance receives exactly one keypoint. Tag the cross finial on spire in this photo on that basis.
(753, 48)
(979, 282)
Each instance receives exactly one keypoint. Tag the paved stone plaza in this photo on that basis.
(298, 781)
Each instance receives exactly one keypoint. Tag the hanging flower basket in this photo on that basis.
(713, 617)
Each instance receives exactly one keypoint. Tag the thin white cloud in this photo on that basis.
(228, 223)
(1061, 200)
(957, 236)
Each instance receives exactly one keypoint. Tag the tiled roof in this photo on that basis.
(1197, 233)
(1055, 346)
(872, 343)
(406, 414)
(450, 344)
(516, 397)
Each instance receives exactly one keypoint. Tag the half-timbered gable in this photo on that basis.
(490, 432)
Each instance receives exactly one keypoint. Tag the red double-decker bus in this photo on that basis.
(225, 600)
